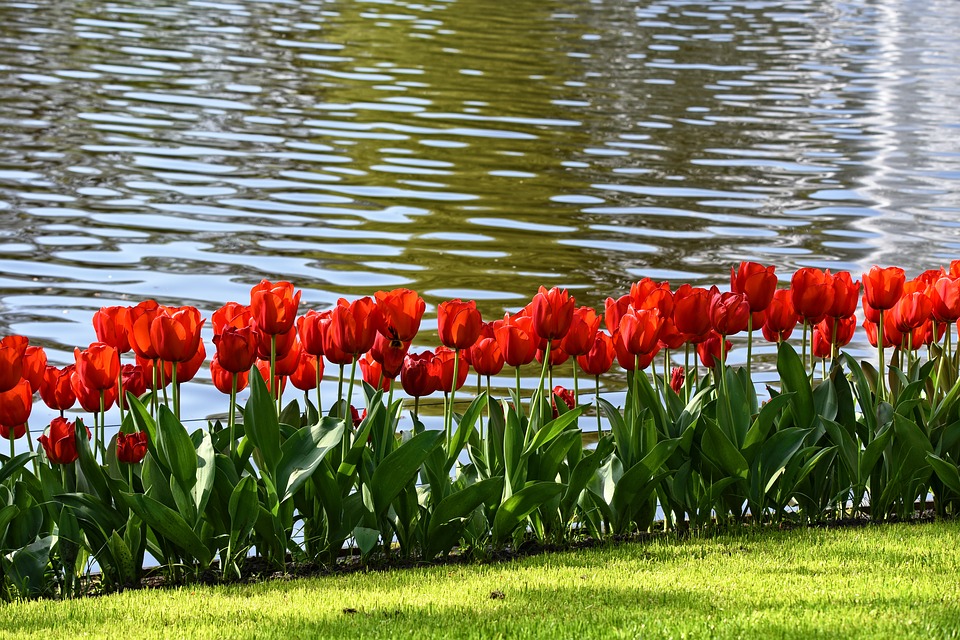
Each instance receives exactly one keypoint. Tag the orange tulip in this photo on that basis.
(846, 294)
(12, 349)
(89, 398)
(390, 354)
(353, 325)
(111, 324)
(812, 292)
(139, 319)
(16, 404)
(56, 389)
(755, 282)
(729, 313)
(232, 314)
(34, 364)
(236, 349)
(443, 359)
(372, 373)
(691, 311)
(709, 350)
(274, 306)
(400, 313)
(311, 328)
(458, 323)
(613, 310)
(223, 379)
(883, 287)
(309, 367)
(780, 318)
(98, 366)
(583, 330)
(552, 313)
(639, 331)
(945, 299)
(518, 345)
(175, 333)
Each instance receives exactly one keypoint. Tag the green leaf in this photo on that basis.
(400, 467)
(13, 465)
(366, 538)
(26, 566)
(765, 421)
(794, 379)
(168, 524)
(635, 485)
(206, 469)
(244, 509)
(464, 426)
(948, 473)
(551, 430)
(517, 507)
(777, 452)
(872, 453)
(718, 448)
(302, 453)
(123, 560)
(449, 516)
(176, 449)
(583, 472)
(260, 422)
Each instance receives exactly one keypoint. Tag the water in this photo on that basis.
(183, 151)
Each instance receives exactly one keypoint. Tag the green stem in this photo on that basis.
(273, 373)
(489, 395)
(519, 409)
(686, 373)
(103, 425)
(347, 418)
(416, 407)
(13, 446)
(319, 406)
(340, 392)
(176, 392)
(597, 401)
(750, 344)
(576, 386)
(803, 348)
(448, 414)
(882, 374)
(538, 392)
(120, 387)
(233, 413)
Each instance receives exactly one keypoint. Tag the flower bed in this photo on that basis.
(301, 482)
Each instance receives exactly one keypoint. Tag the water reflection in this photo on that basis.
(475, 148)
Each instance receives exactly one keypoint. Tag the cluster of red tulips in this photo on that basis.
(377, 333)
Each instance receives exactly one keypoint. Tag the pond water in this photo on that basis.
(182, 151)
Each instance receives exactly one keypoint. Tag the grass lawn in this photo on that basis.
(889, 581)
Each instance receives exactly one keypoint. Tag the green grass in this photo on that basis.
(890, 581)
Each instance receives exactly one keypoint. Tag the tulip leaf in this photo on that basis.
(243, 509)
(583, 472)
(400, 467)
(302, 453)
(464, 426)
(168, 524)
(718, 448)
(448, 517)
(13, 465)
(206, 469)
(177, 449)
(794, 379)
(872, 453)
(521, 504)
(947, 471)
(260, 422)
(26, 566)
(636, 484)
(777, 452)
(551, 430)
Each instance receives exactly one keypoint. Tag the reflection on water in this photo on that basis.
(183, 151)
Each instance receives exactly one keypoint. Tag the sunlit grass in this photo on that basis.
(878, 581)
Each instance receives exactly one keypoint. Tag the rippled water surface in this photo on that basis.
(185, 150)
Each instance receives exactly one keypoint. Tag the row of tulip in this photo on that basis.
(695, 446)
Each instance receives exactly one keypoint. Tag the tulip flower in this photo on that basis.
(12, 349)
(670, 337)
(134, 382)
(34, 364)
(311, 330)
(598, 360)
(15, 407)
(518, 344)
(236, 348)
(945, 299)
(583, 329)
(111, 325)
(274, 306)
(353, 325)
(90, 399)
(613, 310)
(60, 441)
(157, 373)
(418, 377)
(97, 366)
(813, 292)
(186, 371)
(372, 373)
(175, 333)
(232, 314)
(458, 323)
(729, 313)
(131, 447)
(56, 389)
(552, 313)
(639, 331)
(883, 287)
(306, 376)
(486, 357)
(565, 396)
(447, 368)
(223, 379)
(846, 293)
(780, 318)
(713, 350)
(630, 361)
(12, 433)
(557, 355)
(139, 320)
(276, 385)
(677, 376)
(691, 311)
(400, 313)
(755, 282)
(389, 353)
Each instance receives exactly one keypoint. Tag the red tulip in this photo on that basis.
(286, 365)
(563, 395)
(677, 375)
(311, 329)
(281, 342)
(309, 370)
(139, 320)
(223, 379)
(557, 355)
(839, 332)
(232, 314)
(846, 294)
(755, 282)
(486, 357)
(639, 331)
(552, 313)
(353, 325)
(516, 339)
(691, 311)
(418, 376)
(443, 359)
(274, 306)
(89, 398)
(628, 360)
(34, 364)
(98, 366)
(133, 381)
(12, 349)
(111, 324)
(56, 389)
(372, 373)
(131, 447)
(659, 298)
(187, 371)
(891, 337)
(709, 350)
(175, 333)
(599, 358)
(883, 287)
(729, 313)
(945, 299)
(613, 310)
(583, 330)
(820, 344)
(780, 318)
(16, 404)
(400, 311)
(390, 354)
(236, 348)
(60, 441)
(458, 323)
(926, 335)
(14, 432)
(911, 311)
(812, 291)
(156, 372)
